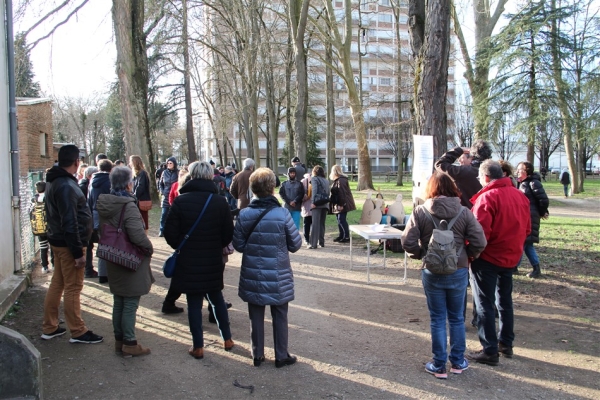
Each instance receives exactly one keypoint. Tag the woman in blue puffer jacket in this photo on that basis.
(265, 233)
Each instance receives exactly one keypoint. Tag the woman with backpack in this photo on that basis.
(531, 185)
(445, 292)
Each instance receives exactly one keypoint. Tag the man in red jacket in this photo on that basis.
(503, 212)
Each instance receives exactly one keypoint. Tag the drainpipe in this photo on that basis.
(14, 138)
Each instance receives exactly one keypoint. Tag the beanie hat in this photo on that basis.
(295, 159)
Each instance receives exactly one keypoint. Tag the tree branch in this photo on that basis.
(64, 21)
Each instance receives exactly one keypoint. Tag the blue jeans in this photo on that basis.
(566, 189)
(531, 254)
(216, 300)
(296, 218)
(343, 225)
(487, 282)
(123, 317)
(445, 299)
(163, 218)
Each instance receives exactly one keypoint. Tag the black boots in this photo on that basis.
(536, 273)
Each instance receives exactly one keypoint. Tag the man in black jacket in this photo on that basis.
(69, 229)
(99, 184)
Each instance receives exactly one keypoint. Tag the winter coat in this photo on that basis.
(292, 191)
(565, 177)
(122, 281)
(67, 213)
(141, 186)
(306, 200)
(84, 184)
(503, 212)
(300, 170)
(200, 266)
(538, 204)
(418, 231)
(319, 184)
(466, 177)
(266, 276)
(100, 184)
(229, 178)
(167, 179)
(341, 195)
(173, 193)
(239, 187)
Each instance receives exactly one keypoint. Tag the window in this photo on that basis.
(385, 3)
(385, 18)
(385, 81)
(43, 144)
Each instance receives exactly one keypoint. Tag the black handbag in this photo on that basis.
(321, 197)
(169, 265)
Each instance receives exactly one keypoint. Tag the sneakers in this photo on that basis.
(483, 358)
(46, 270)
(286, 361)
(505, 350)
(58, 332)
(88, 337)
(438, 372)
(459, 368)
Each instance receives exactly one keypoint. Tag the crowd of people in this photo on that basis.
(493, 214)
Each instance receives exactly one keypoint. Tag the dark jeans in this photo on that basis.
(215, 299)
(307, 224)
(343, 225)
(89, 255)
(280, 330)
(163, 218)
(487, 281)
(44, 248)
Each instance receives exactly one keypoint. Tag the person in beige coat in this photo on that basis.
(126, 286)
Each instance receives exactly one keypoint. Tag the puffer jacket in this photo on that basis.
(200, 266)
(466, 177)
(292, 191)
(341, 193)
(99, 184)
(167, 179)
(419, 229)
(266, 276)
(121, 281)
(68, 215)
(538, 204)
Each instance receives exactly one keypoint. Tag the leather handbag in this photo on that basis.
(169, 265)
(114, 246)
(145, 205)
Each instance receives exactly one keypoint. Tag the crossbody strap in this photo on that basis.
(119, 227)
(262, 214)
(185, 238)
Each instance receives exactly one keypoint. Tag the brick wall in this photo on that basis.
(33, 122)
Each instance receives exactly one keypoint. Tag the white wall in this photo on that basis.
(6, 222)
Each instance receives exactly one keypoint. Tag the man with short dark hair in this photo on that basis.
(69, 229)
(503, 212)
(100, 156)
(300, 168)
(465, 175)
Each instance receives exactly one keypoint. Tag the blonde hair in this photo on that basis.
(262, 182)
(184, 176)
(336, 172)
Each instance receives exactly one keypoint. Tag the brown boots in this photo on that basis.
(228, 345)
(197, 353)
(133, 349)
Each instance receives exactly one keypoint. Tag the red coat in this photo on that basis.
(503, 212)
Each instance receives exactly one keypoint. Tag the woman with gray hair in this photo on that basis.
(199, 269)
(126, 286)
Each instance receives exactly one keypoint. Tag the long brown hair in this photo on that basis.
(441, 184)
(136, 164)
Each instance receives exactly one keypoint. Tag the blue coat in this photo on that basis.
(266, 276)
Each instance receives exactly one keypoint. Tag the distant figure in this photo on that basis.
(84, 183)
(342, 202)
(265, 234)
(80, 171)
(229, 174)
(292, 193)
(100, 156)
(39, 200)
(69, 229)
(507, 170)
(464, 159)
(168, 177)
(141, 184)
(543, 172)
(119, 163)
(319, 190)
(300, 168)
(306, 212)
(565, 179)
(240, 186)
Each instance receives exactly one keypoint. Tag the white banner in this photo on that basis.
(422, 165)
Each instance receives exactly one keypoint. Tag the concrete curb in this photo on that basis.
(10, 290)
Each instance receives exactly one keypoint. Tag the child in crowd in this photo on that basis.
(39, 225)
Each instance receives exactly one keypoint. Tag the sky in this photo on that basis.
(78, 60)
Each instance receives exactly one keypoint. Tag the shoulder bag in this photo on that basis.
(262, 214)
(321, 196)
(114, 246)
(169, 265)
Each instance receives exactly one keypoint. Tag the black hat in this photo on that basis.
(295, 159)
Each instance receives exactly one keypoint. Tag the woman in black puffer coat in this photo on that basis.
(530, 184)
(199, 268)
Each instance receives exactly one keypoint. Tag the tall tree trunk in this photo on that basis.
(433, 79)
(330, 107)
(532, 104)
(298, 10)
(189, 124)
(132, 71)
(561, 90)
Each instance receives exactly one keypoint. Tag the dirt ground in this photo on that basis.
(353, 340)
